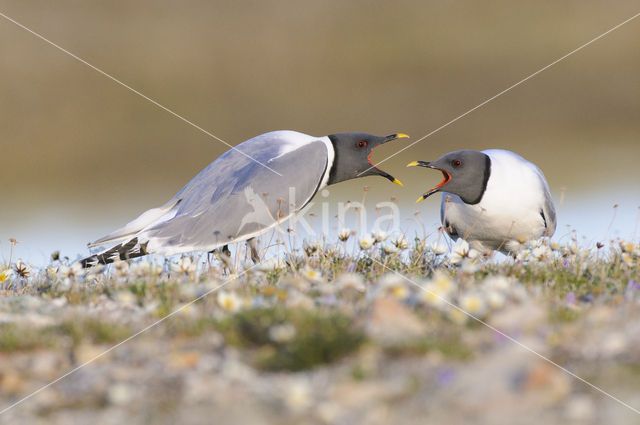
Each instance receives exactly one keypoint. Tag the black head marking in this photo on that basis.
(353, 156)
(466, 174)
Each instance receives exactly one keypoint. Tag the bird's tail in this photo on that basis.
(124, 251)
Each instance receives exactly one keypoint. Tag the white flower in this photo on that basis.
(331, 250)
(351, 280)
(6, 274)
(541, 253)
(627, 246)
(462, 251)
(22, 270)
(298, 396)
(628, 259)
(444, 282)
(146, 268)
(400, 242)
(282, 333)
(434, 295)
(229, 301)
(496, 299)
(185, 266)
(311, 248)
(271, 264)
(474, 303)
(344, 235)
(379, 236)
(439, 248)
(389, 249)
(469, 266)
(126, 298)
(395, 285)
(499, 283)
(69, 274)
(312, 275)
(457, 316)
(534, 243)
(366, 242)
(122, 268)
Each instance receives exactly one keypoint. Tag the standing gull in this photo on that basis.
(244, 193)
(494, 199)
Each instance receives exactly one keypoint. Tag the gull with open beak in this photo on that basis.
(494, 199)
(247, 191)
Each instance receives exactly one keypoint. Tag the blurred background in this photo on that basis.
(82, 155)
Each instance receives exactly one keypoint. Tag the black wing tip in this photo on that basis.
(124, 251)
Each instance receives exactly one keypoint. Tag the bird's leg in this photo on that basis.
(224, 254)
(255, 257)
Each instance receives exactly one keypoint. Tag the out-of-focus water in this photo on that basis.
(590, 219)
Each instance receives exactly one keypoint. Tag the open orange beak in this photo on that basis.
(445, 180)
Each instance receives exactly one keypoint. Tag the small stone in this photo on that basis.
(120, 394)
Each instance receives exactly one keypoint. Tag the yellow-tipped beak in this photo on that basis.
(412, 164)
(420, 199)
(402, 136)
(398, 182)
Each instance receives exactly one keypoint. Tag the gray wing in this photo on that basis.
(235, 198)
(548, 209)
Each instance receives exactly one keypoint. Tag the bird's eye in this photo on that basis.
(361, 144)
(456, 163)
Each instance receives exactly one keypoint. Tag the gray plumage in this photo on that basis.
(239, 196)
(494, 199)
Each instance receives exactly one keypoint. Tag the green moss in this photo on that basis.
(15, 337)
(319, 338)
(449, 347)
(563, 315)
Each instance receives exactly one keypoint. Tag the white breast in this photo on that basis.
(510, 210)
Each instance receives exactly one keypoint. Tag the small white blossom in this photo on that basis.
(474, 303)
(461, 251)
(312, 275)
(434, 295)
(122, 269)
(541, 253)
(71, 273)
(439, 248)
(344, 235)
(311, 248)
(22, 270)
(185, 266)
(351, 280)
(400, 242)
(394, 284)
(366, 242)
(282, 333)
(6, 274)
(229, 301)
(298, 396)
(379, 236)
(271, 264)
(457, 316)
(331, 250)
(389, 249)
(496, 299)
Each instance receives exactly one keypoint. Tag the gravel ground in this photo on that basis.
(328, 339)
